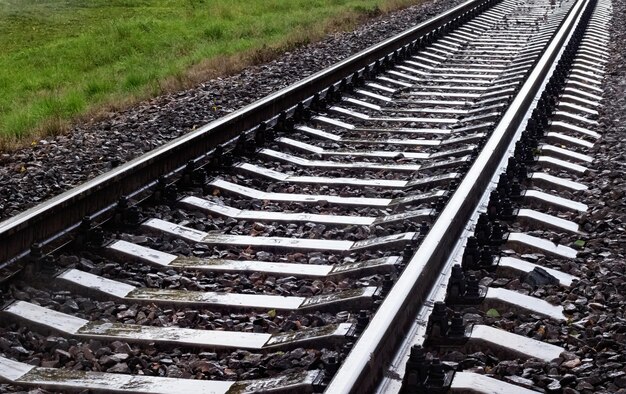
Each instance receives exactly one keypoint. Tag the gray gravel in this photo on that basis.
(34, 174)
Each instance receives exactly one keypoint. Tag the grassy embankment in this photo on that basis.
(63, 59)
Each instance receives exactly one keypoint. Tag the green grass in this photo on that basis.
(62, 59)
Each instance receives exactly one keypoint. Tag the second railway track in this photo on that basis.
(304, 245)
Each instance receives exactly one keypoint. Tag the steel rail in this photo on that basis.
(417, 333)
(51, 219)
(375, 348)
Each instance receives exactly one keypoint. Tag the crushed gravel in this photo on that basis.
(594, 337)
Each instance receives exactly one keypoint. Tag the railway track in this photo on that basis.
(338, 236)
